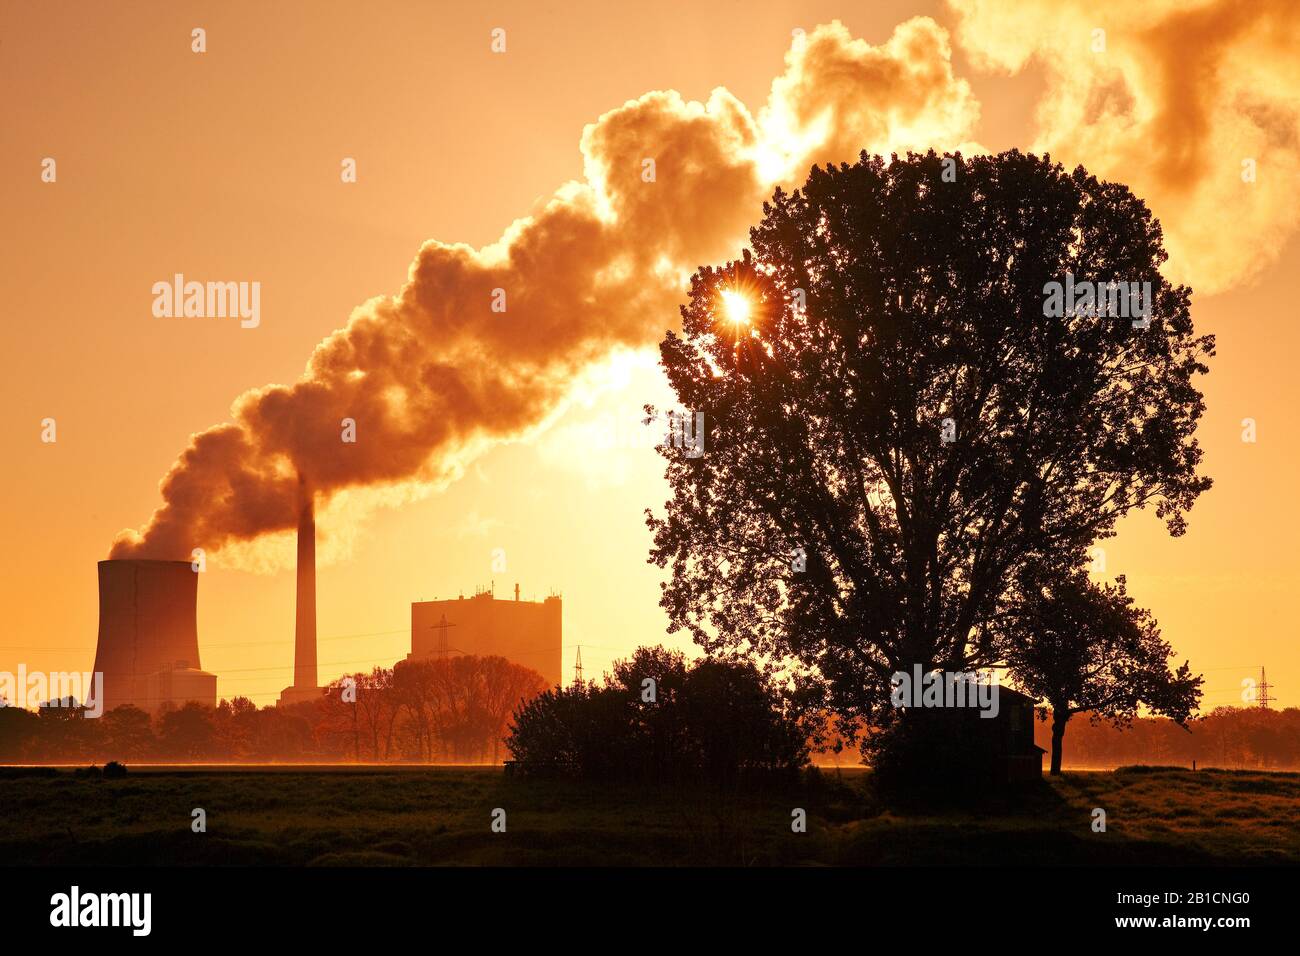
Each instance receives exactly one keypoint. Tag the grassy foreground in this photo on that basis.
(442, 815)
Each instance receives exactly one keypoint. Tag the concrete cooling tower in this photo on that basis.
(148, 649)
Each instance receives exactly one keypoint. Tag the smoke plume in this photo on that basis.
(433, 375)
(1171, 102)
(1171, 98)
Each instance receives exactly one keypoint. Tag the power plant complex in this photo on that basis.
(148, 649)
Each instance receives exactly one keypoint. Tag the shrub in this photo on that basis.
(714, 720)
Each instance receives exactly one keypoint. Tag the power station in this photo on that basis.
(148, 648)
(525, 632)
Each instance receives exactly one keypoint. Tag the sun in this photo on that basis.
(737, 306)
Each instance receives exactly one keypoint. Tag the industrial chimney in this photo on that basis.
(148, 649)
(304, 685)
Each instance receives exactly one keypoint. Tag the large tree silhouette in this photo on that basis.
(1086, 647)
(897, 425)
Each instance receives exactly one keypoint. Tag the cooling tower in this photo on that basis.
(148, 647)
(304, 685)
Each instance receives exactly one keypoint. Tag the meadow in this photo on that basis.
(421, 816)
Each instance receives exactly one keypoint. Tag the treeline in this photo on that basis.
(234, 730)
(453, 710)
(1253, 738)
(654, 716)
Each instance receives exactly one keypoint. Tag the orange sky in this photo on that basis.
(225, 165)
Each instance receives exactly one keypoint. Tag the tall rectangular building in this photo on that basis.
(525, 632)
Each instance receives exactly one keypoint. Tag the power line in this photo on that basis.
(211, 647)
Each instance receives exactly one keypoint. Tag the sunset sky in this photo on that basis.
(225, 165)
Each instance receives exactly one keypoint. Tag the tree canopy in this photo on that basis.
(1083, 646)
(897, 424)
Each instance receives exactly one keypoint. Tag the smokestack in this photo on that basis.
(304, 633)
(304, 685)
(148, 648)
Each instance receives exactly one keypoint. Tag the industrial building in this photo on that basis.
(148, 649)
(525, 632)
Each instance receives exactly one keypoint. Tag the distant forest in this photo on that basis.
(450, 711)
(1231, 738)
(441, 714)
(1234, 738)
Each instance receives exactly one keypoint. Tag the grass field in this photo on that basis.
(442, 815)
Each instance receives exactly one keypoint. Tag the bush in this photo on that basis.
(657, 719)
(114, 770)
(1149, 768)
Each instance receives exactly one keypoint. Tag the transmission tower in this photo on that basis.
(441, 649)
(577, 668)
(1264, 687)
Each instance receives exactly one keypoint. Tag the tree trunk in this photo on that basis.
(1060, 717)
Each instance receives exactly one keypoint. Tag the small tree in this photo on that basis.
(338, 722)
(128, 733)
(19, 735)
(377, 710)
(66, 732)
(187, 732)
(506, 685)
(1087, 647)
(654, 676)
(578, 731)
(739, 721)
